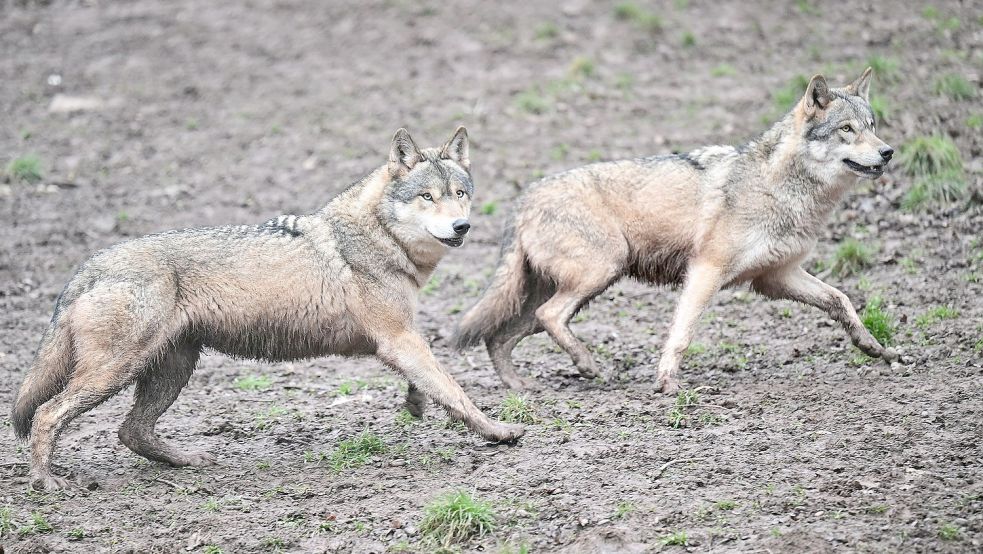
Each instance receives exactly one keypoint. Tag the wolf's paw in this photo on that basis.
(193, 459)
(415, 408)
(890, 355)
(668, 385)
(520, 383)
(49, 483)
(503, 432)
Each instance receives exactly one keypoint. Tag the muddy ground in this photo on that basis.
(204, 113)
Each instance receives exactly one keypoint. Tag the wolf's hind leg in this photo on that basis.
(501, 344)
(155, 391)
(409, 353)
(555, 316)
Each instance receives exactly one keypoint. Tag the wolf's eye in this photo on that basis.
(460, 194)
(847, 128)
(427, 196)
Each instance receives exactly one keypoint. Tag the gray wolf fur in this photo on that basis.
(719, 216)
(343, 280)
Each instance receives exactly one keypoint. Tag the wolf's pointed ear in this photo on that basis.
(403, 154)
(456, 149)
(817, 96)
(861, 87)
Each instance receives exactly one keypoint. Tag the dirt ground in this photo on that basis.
(205, 113)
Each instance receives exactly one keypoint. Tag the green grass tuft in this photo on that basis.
(937, 167)
(457, 517)
(489, 208)
(885, 69)
(355, 452)
(879, 322)
(935, 315)
(253, 383)
(678, 538)
(516, 409)
(851, 256)
(955, 86)
(532, 101)
(582, 66)
(786, 97)
(643, 18)
(881, 108)
(948, 532)
(25, 168)
(546, 31)
(689, 39)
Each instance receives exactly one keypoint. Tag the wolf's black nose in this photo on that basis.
(461, 226)
(886, 152)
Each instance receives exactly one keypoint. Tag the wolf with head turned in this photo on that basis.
(719, 216)
(343, 280)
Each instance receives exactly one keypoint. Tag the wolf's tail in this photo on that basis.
(47, 377)
(501, 300)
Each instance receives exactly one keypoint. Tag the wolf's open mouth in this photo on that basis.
(869, 170)
(455, 242)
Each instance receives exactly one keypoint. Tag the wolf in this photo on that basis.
(719, 216)
(343, 280)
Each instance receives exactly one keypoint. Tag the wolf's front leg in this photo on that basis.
(703, 280)
(796, 284)
(410, 354)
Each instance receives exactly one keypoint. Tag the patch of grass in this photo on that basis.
(547, 31)
(641, 17)
(935, 315)
(881, 108)
(594, 155)
(356, 452)
(851, 257)
(516, 409)
(533, 101)
(880, 323)
(930, 12)
(560, 152)
(695, 349)
(930, 155)
(678, 538)
(582, 67)
(7, 523)
(623, 510)
(432, 285)
(975, 121)
(725, 505)
(885, 69)
(210, 505)
(457, 517)
(405, 419)
(948, 532)
(723, 70)
(38, 526)
(935, 190)
(806, 7)
(253, 383)
(689, 39)
(26, 168)
(76, 534)
(212, 549)
(489, 208)
(955, 86)
(786, 97)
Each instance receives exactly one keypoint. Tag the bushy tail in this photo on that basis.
(46, 378)
(500, 301)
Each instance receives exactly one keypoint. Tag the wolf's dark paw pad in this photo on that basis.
(416, 409)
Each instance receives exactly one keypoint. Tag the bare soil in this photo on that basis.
(226, 112)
